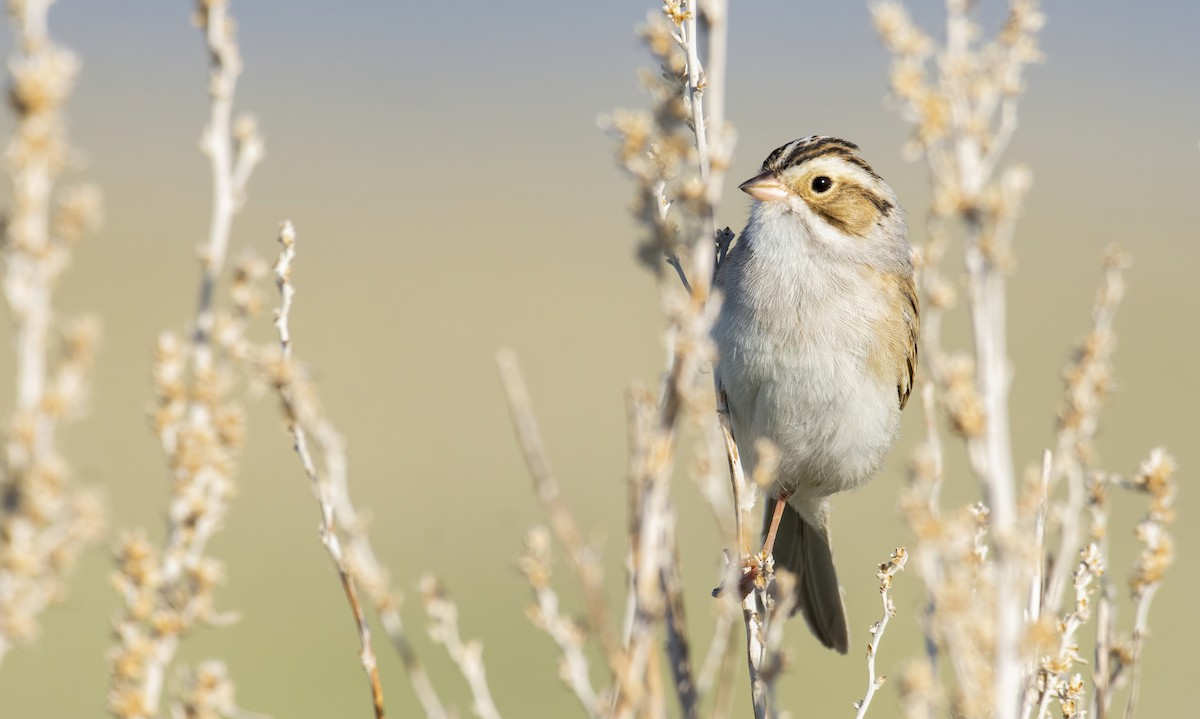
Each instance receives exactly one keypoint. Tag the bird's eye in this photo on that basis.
(821, 184)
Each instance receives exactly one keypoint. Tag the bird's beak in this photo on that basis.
(765, 187)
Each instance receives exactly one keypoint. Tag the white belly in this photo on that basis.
(798, 376)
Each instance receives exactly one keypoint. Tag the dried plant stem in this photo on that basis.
(694, 94)
(364, 567)
(887, 571)
(199, 428)
(233, 153)
(963, 120)
(652, 544)
(298, 416)
(27, 279)
(757, 604)
(468, 657)
(1087, 381)
(1155, 478)
(1038, 583)
(574, 671)
(582, 558)
(1053, 669)
(755, 607)
(422, 687)
(1103, 672)
(1137, 644)
(718, 650)
(343, 528)
(45, 520)
(679, 653)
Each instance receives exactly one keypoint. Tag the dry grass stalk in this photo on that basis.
(1020, 659)
(169, 591)
(305, 419)
(45, 520)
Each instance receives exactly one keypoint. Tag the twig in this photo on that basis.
(198, 428)
(582, 559)
(1053, 669)
(389, 614)
(362, 566)
(298, 416)
(468, 657)
(887, 570)
(718, 650)
(958, 131)
(702, 257)
(1087, 378)
(690, 251)
(679, 652)
(1103, 672)
(233, 151)
(755, 608)
(46, 519)
(1038, 582)
(535, 565)
(1155, 477)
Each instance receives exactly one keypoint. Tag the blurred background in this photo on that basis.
(452, 195)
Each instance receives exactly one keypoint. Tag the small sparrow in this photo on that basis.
(817, 345)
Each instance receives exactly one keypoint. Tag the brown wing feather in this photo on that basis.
(912, 319)
(894, 354)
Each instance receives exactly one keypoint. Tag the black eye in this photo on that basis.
(821, 184)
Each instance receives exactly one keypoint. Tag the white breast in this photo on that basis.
(793, 338)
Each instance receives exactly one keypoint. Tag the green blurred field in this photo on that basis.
(453, 195)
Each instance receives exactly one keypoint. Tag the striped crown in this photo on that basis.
(797, 152)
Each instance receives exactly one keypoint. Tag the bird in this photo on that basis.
(817, 349)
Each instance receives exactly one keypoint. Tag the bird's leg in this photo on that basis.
(758, 568)
(776, 517)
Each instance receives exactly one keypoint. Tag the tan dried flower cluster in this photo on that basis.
(200, 426)
(207, 693)
(169, 592)
(1155, 478)
(996, 614)
(45, 520)
(1053, 679)
(657, 148)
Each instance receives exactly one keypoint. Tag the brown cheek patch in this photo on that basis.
(850, 207)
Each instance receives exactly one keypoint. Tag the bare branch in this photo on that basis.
(443, 614)
(45, 518)
(582, 559)
(299, 415)
(535, 565)
(887, 571)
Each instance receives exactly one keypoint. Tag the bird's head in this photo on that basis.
(822, 185)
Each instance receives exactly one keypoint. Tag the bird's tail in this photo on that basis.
(804, 551)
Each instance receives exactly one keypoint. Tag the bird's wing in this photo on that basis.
(912, 321)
